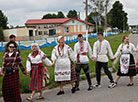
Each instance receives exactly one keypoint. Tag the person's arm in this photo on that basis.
(71, 53)
(45, 59)
(19, 60)
(133, 48)
(118, 52)
(3, 64)
(53, 56)
(89, 50)
(110, 51)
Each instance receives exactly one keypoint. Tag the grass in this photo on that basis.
(114, 40)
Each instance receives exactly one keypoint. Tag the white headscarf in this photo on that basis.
(59, 37)
(35, 45)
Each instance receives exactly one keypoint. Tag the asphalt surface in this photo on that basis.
(121, 93)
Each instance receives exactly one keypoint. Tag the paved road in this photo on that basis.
(121, 93)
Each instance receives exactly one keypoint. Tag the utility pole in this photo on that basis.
(86, 20)
(105, 23)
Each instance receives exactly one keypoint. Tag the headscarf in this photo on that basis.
(35, 45)
(59, 37)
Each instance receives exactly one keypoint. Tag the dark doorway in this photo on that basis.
(52, 32)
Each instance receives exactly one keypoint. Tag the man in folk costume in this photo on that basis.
(81, 48)
(100, 50)
(36, 69)
(127, 65)
(63, 57)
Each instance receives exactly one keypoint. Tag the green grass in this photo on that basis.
(114, 40)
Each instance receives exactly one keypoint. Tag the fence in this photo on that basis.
(25, 45)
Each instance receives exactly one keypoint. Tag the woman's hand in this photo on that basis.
(27, 73)
(1, 73)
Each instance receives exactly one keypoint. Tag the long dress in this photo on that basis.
(64, 72)
(127, 65)
(35, 67)
(11, 84)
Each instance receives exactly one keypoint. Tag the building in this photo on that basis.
(60, 26)
(39, 29)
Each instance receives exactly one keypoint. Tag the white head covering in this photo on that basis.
(59, 37)
(35, 45)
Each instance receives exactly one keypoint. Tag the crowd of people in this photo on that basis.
(63, 58)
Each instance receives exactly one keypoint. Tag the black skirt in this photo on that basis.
(131, 70)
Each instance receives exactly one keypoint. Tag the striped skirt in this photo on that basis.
(36, 82)
(131, 70)
(11, 87)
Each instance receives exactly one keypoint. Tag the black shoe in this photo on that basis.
(60, 92)
(73, 90)
(130, 84)
(90, 88)
(77, 89)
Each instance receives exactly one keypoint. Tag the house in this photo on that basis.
(59, 26)
(39, 29)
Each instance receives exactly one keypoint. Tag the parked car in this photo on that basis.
(134, 31)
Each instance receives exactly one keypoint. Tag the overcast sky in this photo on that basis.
(18, 11)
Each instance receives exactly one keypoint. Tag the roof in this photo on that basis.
(52, 21)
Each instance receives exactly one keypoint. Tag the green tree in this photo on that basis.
(92, 14)
(49, 16)
(1, 34)
(117, 17)
(60, 15)
(72, 14)
(3, 20)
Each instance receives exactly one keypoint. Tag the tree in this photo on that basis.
(49, 16)
(3, 20)
(72, 14)
(117, 17)
(92, 14)
(1, 34)
(101, 7)
(60, 15)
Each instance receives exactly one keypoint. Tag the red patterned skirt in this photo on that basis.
(36, 82)
(11, 87)
(73, 76)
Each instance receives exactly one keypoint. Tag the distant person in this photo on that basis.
(10, 70)
(127, 65)
(12, 37)
(100, 50)
(81, 48)
(35, 67)
(63, 58)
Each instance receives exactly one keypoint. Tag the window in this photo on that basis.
(73, 21)
(40, 32)
(66, 29)
(39, 27)
(45, 26)
(45, 33)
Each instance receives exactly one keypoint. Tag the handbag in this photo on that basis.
(46, 77)
(9, 69)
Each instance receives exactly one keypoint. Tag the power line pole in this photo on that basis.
(86, 20)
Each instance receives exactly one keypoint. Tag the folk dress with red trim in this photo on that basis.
(63, 63)
(34, 64)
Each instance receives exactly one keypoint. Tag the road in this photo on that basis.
(121, 93)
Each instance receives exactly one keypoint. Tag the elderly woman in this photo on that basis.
(127, 65)
(64, 72)
(36, 69)
(11, 85)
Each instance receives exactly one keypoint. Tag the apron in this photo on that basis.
(63, 69)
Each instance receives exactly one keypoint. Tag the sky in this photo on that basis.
(19, 11)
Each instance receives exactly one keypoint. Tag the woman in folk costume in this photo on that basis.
(10, 70)
(127, 65)
(64, 72)
(36, 69)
